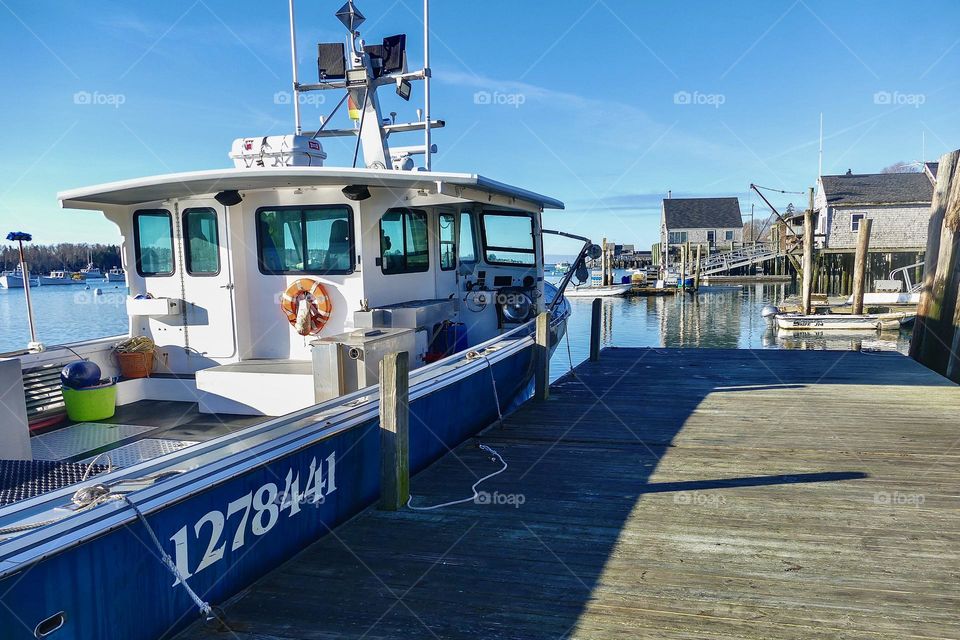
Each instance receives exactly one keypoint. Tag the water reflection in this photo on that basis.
(719, 318)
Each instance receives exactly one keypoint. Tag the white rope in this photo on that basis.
(86, 474)
(203, 606)
(473, 355)
(566, 335)
(87, 498)
(494, 457)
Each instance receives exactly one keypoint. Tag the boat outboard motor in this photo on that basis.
(769, 311)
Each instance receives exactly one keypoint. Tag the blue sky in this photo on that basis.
(604, 104)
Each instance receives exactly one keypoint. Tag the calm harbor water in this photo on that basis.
(63, 314)
(726, 317)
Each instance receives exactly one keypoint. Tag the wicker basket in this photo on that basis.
(138, 364)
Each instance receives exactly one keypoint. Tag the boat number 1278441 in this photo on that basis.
(257, 511)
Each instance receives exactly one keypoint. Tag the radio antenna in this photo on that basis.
(293, 62)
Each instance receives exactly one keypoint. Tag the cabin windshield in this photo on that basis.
(305, 240)
(508, 238)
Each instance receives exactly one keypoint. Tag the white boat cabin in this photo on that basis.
(434, 262)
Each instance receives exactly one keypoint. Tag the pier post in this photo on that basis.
(935, 335)
(807, 287)
(860, 264)
(683, 268)
(542, 357)
(595, 312)
(394, 431)
(696, 271)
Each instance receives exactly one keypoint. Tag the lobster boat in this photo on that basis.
(270, 292)
(14, 279)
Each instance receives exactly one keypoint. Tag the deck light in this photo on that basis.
(356, 192)
(229, 198)
(404, 88)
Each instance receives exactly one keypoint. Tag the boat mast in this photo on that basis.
(428, 154)
(293, 62)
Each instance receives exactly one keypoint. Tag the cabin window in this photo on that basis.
(448, 243)
(508, 239)
(153, 242)
(468, 239)
(404, 245)
(677, 237)
(728, 235)
(201, 239)
(855, 221)
(305, 240)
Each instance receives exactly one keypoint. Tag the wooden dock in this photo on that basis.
(663, 493)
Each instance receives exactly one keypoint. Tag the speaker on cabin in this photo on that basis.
(389, 57)
(331, 61)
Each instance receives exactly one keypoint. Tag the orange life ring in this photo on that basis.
(316, 296)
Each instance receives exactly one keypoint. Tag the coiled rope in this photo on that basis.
(494, 457)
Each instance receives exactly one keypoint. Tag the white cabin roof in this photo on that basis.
(197, 183)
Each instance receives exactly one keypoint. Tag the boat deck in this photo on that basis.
(663, 493)
(138, 431)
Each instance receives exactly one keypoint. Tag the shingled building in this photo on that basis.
(713, 222)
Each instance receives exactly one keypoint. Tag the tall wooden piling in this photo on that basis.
(683, 268)
(595, 315)
(542, 357)
(936, 335)
(696, 271)
(394, 431)
(860, 264)
(604, 264)
(807, 287)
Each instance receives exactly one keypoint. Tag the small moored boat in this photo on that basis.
(842, 321)
(598, 292)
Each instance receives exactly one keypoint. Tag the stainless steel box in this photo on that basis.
(351, 361)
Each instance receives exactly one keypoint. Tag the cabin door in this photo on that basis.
(208, 281)
(445, 254)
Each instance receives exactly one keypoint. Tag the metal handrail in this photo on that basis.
(911, 288)
(587, 243)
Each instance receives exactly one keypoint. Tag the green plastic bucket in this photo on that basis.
(92, 404)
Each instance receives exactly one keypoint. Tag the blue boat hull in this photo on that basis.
(225, 537)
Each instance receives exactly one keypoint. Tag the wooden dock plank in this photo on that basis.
(663, 493)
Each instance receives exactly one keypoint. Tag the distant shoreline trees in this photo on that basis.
(67, 256)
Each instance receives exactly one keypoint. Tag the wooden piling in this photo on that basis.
(542, 357)
(595, 314)
(394, 431)
(683, 268)
(860, 264)
(696, 271)
(936, 334)
(807, 287)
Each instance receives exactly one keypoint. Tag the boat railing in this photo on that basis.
(904, 272)
(581, 257)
